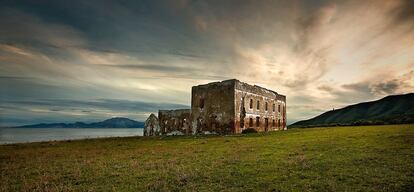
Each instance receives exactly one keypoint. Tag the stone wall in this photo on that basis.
(151, 126)
(258, 108)
(175, 122)
(212, 108)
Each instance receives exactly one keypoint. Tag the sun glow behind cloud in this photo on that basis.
(322, 55)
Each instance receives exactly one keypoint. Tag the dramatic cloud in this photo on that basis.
(71, 60)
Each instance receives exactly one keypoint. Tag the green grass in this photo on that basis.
(366, 158)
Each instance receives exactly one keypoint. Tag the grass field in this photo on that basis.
(366, 158)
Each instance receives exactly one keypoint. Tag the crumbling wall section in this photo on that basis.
(152, 126)
(212, 108)
(259, 108)
(175, 122)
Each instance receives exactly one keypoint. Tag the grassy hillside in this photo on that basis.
(367, 158)
(395, 109)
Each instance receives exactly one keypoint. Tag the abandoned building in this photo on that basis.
(225, 107)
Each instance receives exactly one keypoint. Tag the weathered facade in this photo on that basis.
(213, 108)
(258, 108)
(151, 126)
(174, 122)
(229, 107)
(226, 107)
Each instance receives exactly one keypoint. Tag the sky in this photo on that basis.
(67, 61)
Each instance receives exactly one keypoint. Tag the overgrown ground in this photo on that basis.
(366, 158)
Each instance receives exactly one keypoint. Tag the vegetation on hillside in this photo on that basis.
(366, 158)
(395, 109)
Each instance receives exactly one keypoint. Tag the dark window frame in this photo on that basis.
(201, 103)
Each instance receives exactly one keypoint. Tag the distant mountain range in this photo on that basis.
(395, 109)
(117, 122)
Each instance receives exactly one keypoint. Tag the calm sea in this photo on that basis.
(24, 135)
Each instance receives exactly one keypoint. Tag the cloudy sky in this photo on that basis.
(64, 61)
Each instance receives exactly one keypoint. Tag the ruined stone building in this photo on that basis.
(226, 107)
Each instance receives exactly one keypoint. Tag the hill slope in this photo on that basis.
(117, 122)
(393, 109)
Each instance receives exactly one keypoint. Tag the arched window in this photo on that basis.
(251, 122)
(266, 106)
(258, 105)
(257, 121)
(251, 104)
